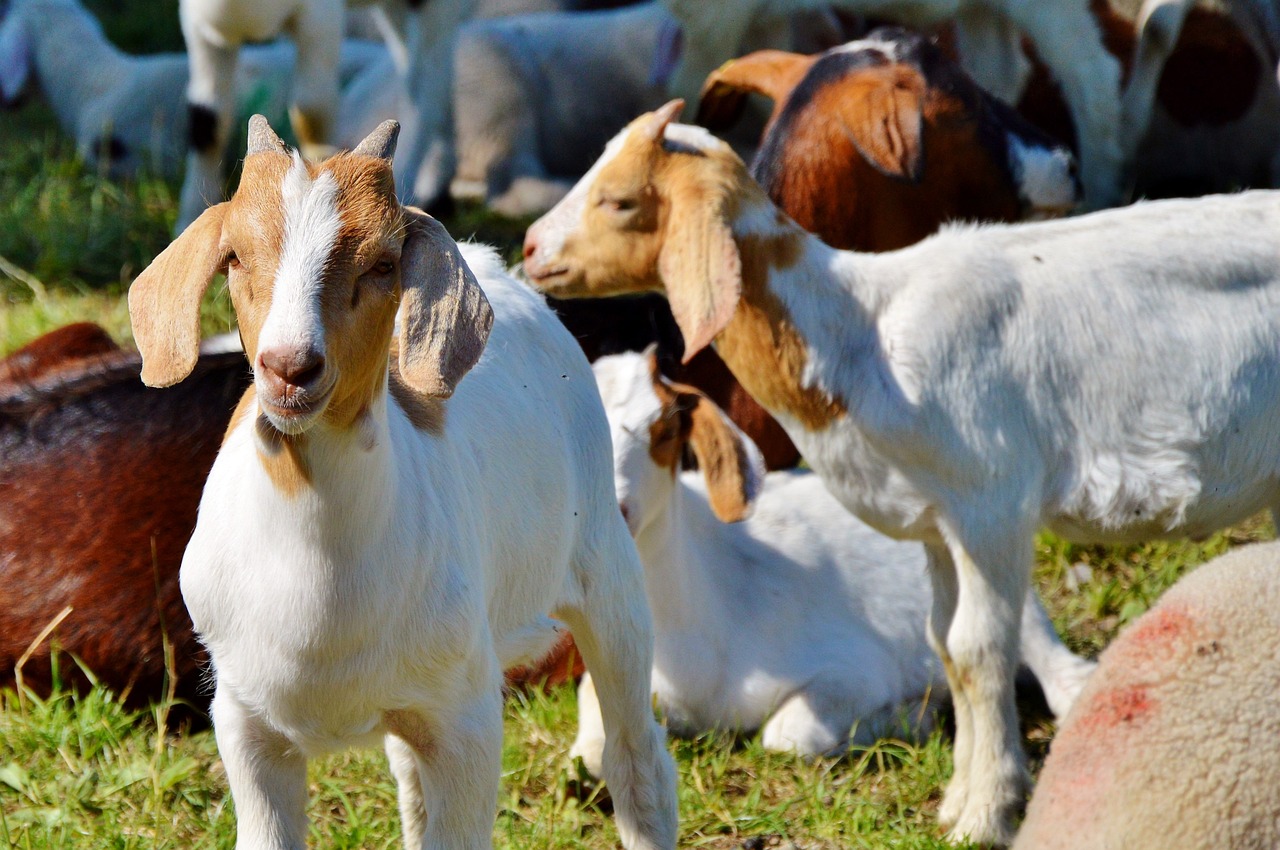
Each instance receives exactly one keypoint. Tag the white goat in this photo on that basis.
(420, 33)
(131, 108)
(836, 639)
(369, 556)
(988, 38)
(1113, 377)
(538, 96)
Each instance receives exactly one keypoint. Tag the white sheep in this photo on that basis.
(379, 536)
(1174, 742)
(214, 30)
(130, 109)
(1112, 377)
(988, 38)
(800, 621)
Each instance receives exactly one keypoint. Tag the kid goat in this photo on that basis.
(373, 547)
(837, 639)
(1113, 377)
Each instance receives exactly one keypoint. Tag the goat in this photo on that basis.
(130, 111)
(100, 478)
(837, 639)
(844, 151)
(1064, 33)
(421, 35)
(1182, 135)
(1113, 377)
(378, 537)
(1173, 741)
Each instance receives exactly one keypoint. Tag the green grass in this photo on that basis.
(84, 772)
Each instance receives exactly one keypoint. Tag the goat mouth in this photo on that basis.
(547, 277)
(294, 415)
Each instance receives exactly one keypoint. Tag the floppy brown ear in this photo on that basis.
(700, 268)
(884, 118)
(444, 316)
(731, 463)
(772, 73)
(164, 301)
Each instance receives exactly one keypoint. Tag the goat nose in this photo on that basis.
(530, 245)
(291, 366)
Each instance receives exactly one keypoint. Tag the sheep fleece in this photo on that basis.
(1173, 742)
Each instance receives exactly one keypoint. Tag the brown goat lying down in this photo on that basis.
(100, 478)
(99, 481)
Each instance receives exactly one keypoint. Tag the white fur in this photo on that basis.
(801, 621)
(138, 100)
(1064, 32)
(384, 599)
(1114, 377)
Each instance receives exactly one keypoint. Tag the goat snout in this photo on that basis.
(292, 377)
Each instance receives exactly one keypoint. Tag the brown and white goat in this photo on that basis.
(874, 145)
(967, 390)
(419, 476)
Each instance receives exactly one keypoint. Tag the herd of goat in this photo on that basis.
(420, 483)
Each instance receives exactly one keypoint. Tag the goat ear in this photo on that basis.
(15, 58)
(444, 316)
(772, 73)
(884, 120)
(731, 463)
(164, 301)
(700, 268)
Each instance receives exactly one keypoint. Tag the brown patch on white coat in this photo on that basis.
(318, 257)
(688, 418)
(655, 214)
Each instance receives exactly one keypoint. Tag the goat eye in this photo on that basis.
(619, 205)
(233, 261)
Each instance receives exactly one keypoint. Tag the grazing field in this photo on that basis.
(83, 772)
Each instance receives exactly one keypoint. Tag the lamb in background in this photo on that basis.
(131, 110)
(988, 40)
(1174, 741)
(968, 390)
(417, 478)
(836, 640)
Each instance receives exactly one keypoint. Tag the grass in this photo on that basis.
(82, 771)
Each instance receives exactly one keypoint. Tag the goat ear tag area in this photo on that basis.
(164, 301)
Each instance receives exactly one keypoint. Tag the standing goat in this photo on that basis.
(837, 610)
(373, 547)
(1114, 377)
(214, 30)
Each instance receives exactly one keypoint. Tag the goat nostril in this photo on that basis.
(530, 247)
(298, 368)
(626, 514)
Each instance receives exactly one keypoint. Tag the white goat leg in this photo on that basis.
(404, 767)
(267, 775)
(1062, 674)
(210, 94)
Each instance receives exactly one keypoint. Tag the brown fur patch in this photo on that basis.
(761, 344)
(412, 728)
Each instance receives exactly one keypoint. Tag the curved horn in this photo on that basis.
(381, 143)
(262, 139)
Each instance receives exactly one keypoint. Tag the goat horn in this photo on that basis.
(381, 142)
(262, 139)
